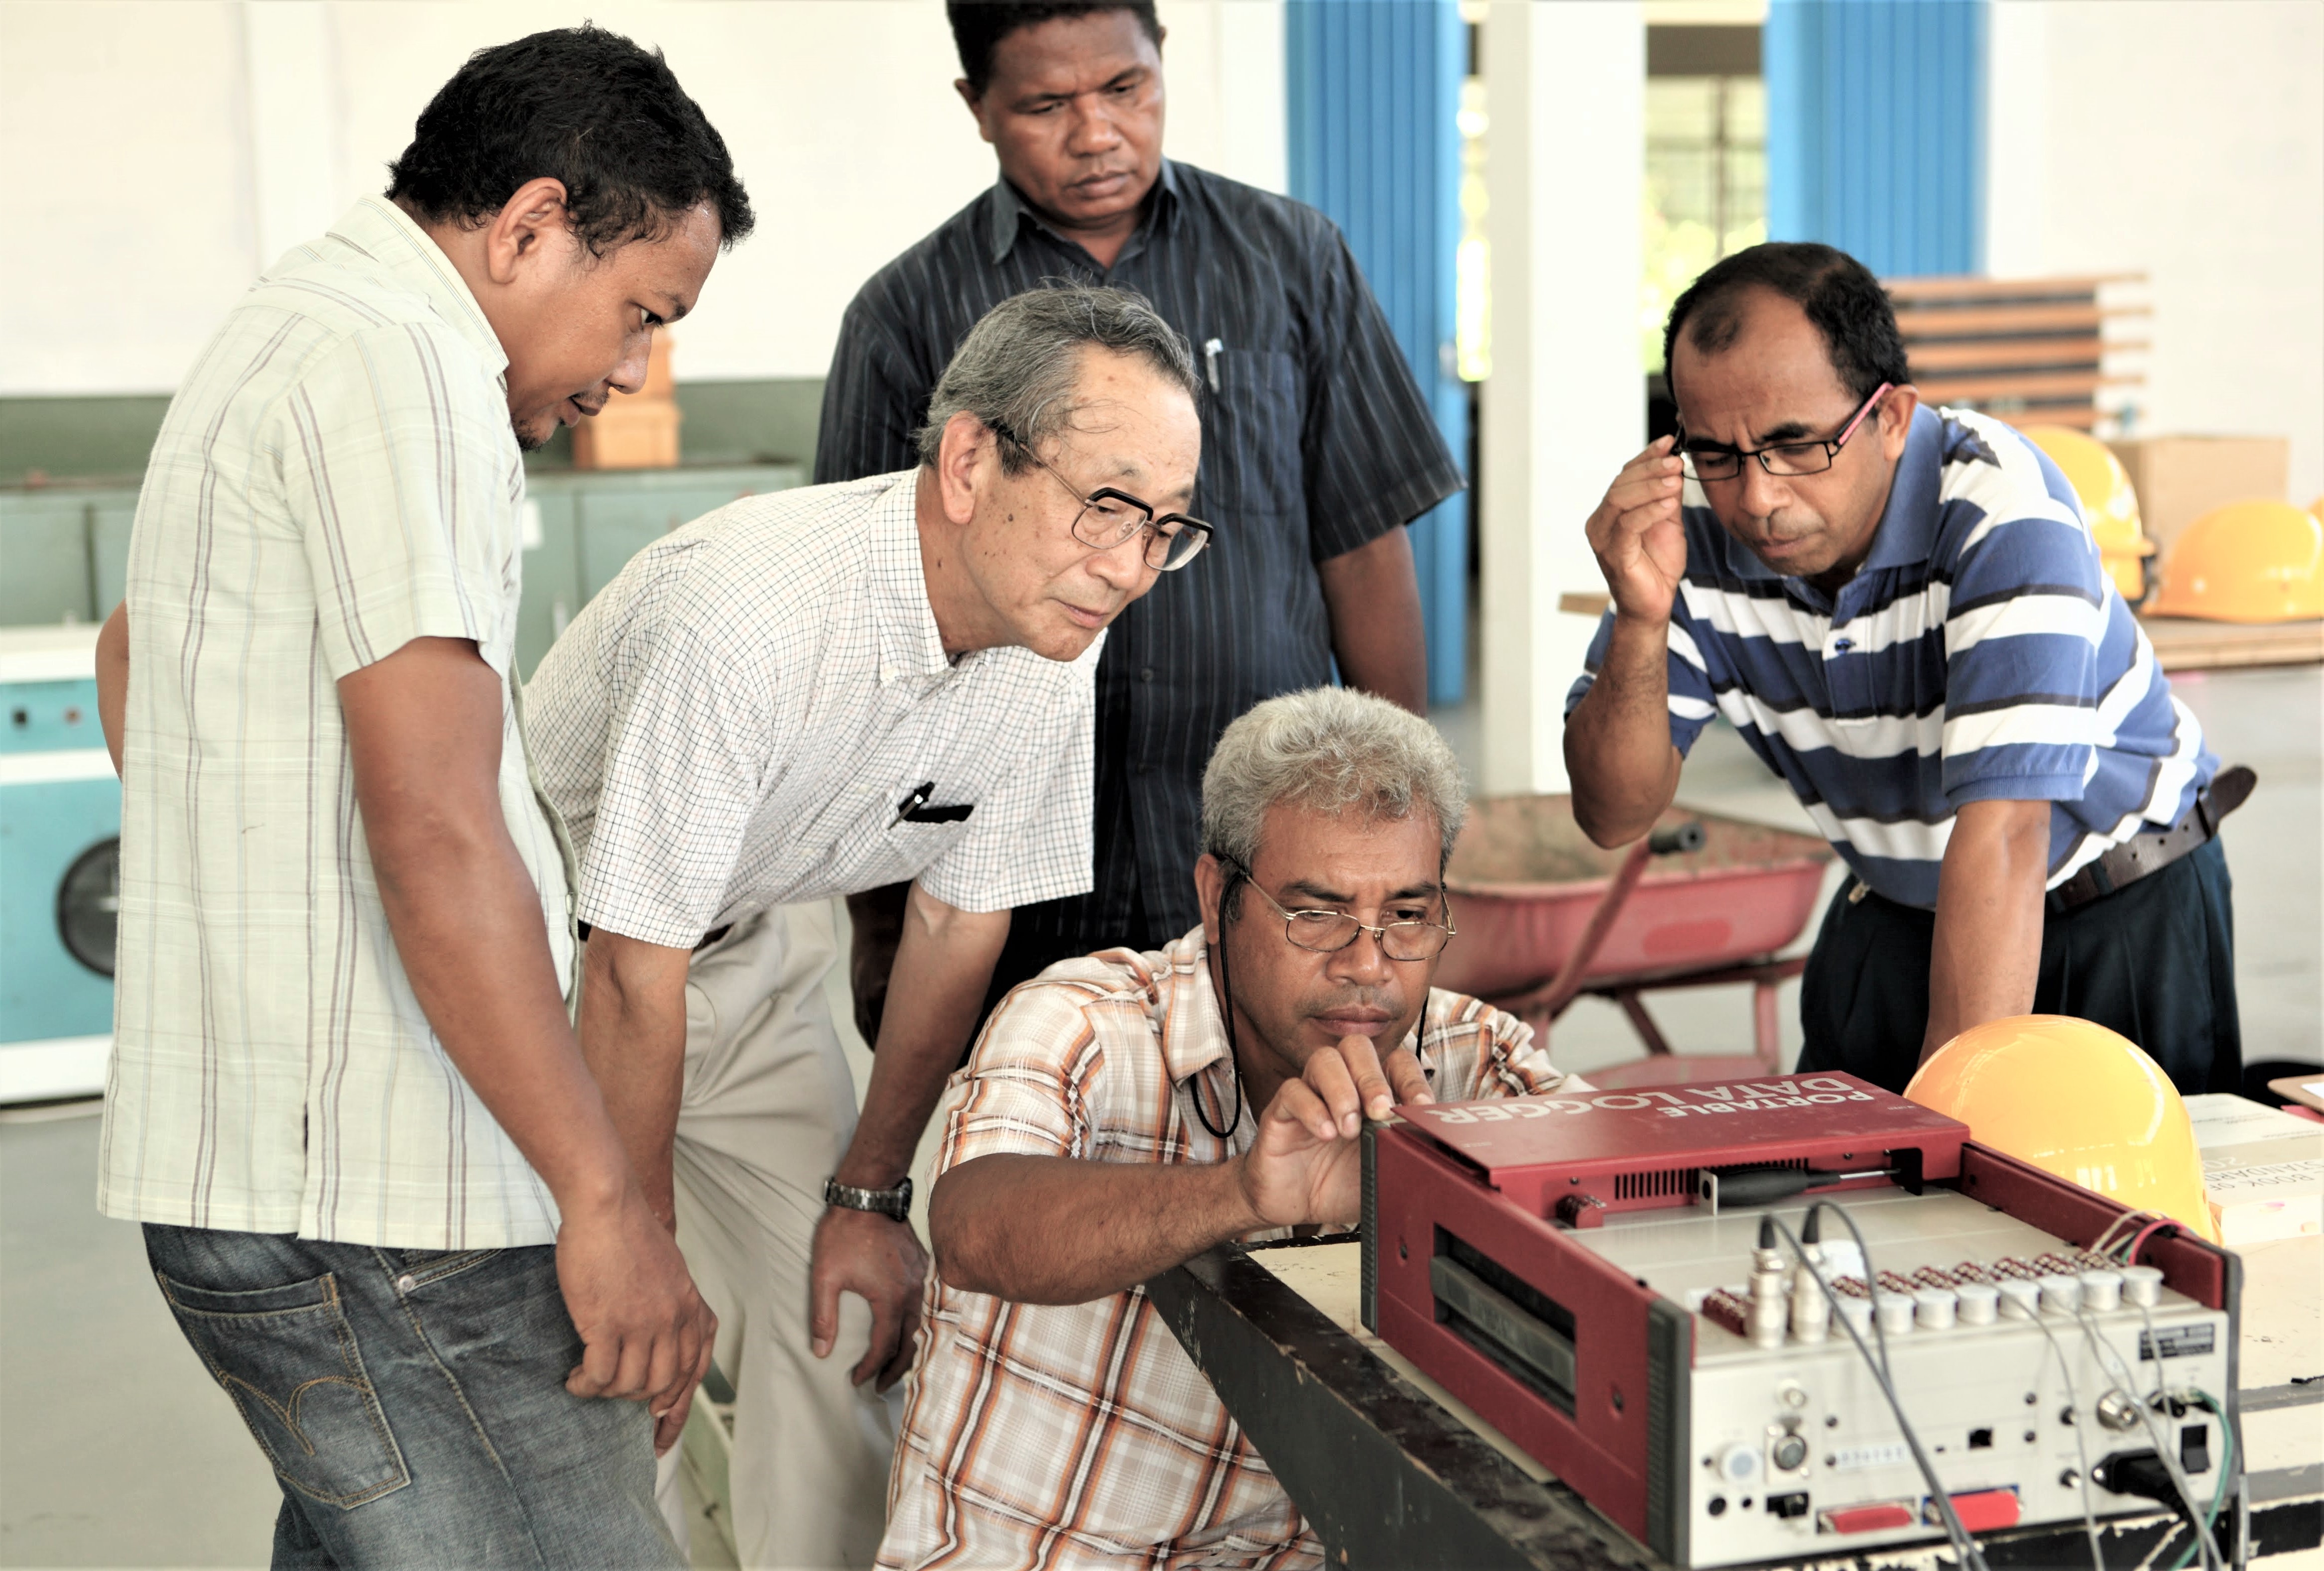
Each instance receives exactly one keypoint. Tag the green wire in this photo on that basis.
(2227, 1470)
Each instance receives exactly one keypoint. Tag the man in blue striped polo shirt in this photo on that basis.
(1902, 612)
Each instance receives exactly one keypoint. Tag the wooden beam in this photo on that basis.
(2023, 321)
(1901, 290)
(2034, 384)
(2080, 417)
(2081, 353)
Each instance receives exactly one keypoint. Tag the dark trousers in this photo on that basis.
(413, 1404)
(2154, 961)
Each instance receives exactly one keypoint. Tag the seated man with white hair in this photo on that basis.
(1125, 1112)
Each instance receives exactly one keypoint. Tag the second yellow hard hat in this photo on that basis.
(2247, 562)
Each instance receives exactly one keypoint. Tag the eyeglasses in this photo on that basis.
(1329, 932)
(1782, 458)
(1110, 517)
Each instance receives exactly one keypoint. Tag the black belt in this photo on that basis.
(2153, 850)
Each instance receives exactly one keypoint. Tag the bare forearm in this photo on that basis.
(1372, 597)
(1617, 748)
(936, 994)
(633, 1039)
(467, 927)
(112, 679)
(424, 728)
(1050, 1230)
(1986, 952)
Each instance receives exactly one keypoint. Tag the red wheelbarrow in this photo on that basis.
(1703, 901)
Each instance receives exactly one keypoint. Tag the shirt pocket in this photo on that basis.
(900, 852)
(1252, 461)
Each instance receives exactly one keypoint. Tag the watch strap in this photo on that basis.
(895, 1203)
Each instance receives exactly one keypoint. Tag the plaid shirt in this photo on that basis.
(335, 478)
(1081, 1436)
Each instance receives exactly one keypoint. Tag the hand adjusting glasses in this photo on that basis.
(1329, 932)
(1717, 463)
(1110, 517)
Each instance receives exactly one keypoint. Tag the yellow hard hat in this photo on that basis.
(2076, 1100)
(2109, 503)
(2247, 562)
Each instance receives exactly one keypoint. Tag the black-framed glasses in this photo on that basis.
(1329, 932)
(1108, 517)
(1782, 458)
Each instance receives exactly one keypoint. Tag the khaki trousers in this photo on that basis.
(769, 1106)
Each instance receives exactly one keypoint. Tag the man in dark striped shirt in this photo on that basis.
(1317, 447)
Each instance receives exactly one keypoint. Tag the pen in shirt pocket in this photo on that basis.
(1211, 358)
(915, 810)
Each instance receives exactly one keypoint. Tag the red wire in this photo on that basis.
(2145, 1233)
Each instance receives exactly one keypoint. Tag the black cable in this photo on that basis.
(2197, 1519)
(1963, 1545)
(1226, 1012)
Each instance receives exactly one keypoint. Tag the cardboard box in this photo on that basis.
(632, 431)
(2179, 479)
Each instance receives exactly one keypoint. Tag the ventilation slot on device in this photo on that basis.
(1646, 1185)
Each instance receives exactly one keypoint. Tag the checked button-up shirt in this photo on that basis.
(1081, 1436)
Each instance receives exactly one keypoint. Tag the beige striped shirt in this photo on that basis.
(1081, 1436)
(336, 478)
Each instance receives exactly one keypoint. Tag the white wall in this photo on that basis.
(2182, 140)
(154, 155)
(1565, 95)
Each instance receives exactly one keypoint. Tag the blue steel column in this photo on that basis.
(1876, 130)
(1372, 105)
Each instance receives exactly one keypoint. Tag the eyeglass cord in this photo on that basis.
(1226, 1012)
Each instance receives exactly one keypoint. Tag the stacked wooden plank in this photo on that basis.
(2035, 351)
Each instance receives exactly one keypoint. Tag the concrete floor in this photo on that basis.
(116, 1450)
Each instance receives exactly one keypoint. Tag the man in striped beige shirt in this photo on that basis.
(1125, 1112)
(382, 1193)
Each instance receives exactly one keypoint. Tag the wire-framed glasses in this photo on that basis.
(1110, 517)
(1329, 932)
(1716, 463)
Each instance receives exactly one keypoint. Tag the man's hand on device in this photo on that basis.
(1305, 1165)
(1636, 534)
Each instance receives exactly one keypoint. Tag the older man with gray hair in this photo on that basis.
(1124, 1112)
(820, 691)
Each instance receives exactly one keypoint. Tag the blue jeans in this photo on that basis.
(413, 1403)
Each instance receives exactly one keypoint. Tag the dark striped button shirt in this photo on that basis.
(1316, 440)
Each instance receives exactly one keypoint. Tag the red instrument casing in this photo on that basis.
(1468, 1212)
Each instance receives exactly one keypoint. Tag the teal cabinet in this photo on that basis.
(591, 523)
(49, 543)
(64, 550)
(60, 820)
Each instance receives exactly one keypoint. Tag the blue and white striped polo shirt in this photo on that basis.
(1981, 652)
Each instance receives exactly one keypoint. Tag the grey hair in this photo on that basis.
(1329, 749)
(1018, 365)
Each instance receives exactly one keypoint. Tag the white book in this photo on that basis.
(2263, 1168)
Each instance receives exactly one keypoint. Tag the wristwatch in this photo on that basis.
(895, 1203)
